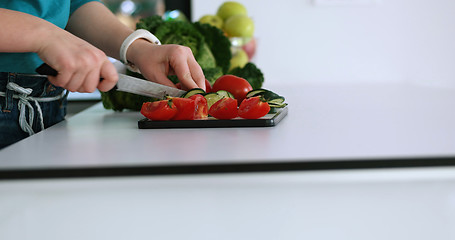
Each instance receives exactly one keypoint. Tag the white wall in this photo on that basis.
(398, 41)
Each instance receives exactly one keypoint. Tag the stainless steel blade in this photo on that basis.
(146, 88)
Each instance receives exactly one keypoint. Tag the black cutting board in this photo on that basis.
(269, 120)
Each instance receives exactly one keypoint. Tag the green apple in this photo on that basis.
(239, 26)
(231, 8)
(213, 20)
(239, 58)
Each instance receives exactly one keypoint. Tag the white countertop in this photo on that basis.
(324, 123)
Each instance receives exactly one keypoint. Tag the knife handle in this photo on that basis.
(45, 69)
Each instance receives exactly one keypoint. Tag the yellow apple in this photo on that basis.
(239, 26)
(239, 58)
(213, 20)
(231, 8)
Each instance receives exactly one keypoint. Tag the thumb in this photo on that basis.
(109, 76)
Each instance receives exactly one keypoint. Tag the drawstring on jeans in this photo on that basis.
(24, 102)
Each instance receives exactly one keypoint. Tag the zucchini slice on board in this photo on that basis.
(273, 99)
(212, 98)
(216, 96)
(194, 91)
(225, 93)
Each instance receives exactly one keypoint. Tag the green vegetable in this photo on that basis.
(212, 74)
(225, 93)
(274, 100)
(118, 101)
(212, 98)
(216, 96)
(251, 73)
(202, 39)
(194, 91)
(217, 42)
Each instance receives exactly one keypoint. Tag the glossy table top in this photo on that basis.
(325, 124)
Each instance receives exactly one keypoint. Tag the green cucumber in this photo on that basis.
(273, 99)
(255, 92)
(212, 98)
(274, 105)
(225, 93)
(194, 91)
(276, 101)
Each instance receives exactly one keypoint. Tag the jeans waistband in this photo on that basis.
(32, 81)
(28, 89)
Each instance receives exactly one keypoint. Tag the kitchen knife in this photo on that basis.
(129, 84)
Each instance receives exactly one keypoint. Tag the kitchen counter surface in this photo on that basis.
(103, 178)
(326, 127)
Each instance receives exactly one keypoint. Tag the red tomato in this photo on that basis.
(253, 108)
(225, 108)
(208, 86)
(238, 86)
(186, 108)
(201, 111)
(159, 110)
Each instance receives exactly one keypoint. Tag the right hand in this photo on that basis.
(78, 63)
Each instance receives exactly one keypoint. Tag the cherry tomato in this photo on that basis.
(253, 108)
(159, 110)
(208, 86)
(238, 86)
(201, 111)
(225, 108)
(186, 108)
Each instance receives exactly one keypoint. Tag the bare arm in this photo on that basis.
(79, 63)
(97, 25)
(25, 32)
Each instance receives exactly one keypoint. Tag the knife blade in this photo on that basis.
(129, 84)
(146, 88)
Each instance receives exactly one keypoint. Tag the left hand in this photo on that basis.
(156, 62)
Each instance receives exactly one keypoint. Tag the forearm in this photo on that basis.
(97, 25)
(23, 32)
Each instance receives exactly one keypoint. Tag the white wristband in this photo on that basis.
(140, 33)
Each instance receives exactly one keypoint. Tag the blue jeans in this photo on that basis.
(51, 100)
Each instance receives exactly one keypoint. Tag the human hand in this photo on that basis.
(78, 63)
(156, 62)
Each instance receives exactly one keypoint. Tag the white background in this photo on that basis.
(392, 41)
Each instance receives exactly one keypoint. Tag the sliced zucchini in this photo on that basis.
(225, 93)
(193, 91)
(266, 94)
(255, 92)
(212, 98)
(274, 105)
(276, 101)
(273, 99)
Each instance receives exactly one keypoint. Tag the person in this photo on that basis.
(76, 38)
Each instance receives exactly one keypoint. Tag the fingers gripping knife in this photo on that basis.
(129, 84)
